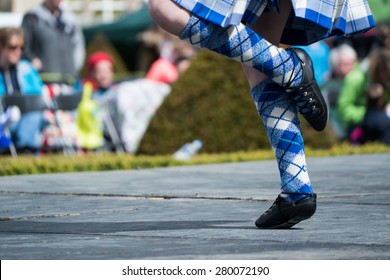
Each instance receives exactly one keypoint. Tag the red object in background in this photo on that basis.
(162, 70)
(96, 57)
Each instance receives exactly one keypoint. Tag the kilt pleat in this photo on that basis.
(311, 21)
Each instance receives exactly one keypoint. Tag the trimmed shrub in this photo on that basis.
(57, 163)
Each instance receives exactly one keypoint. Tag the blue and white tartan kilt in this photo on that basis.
(312, 20)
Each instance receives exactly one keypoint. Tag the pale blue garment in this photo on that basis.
(319, 53)
(26, 133)
(28, 78)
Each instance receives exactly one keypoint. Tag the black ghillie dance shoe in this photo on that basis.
(285, 214)
(307, 96)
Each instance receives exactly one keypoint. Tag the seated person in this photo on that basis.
(92, 108)
(376, 122)
(116, 115)
(342, 59)
(19, 77)
(174, 59)
(100, 72)
(352, 100)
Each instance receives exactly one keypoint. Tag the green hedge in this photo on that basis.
(211, 102)
(98, 162)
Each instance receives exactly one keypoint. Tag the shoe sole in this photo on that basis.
(307, 210)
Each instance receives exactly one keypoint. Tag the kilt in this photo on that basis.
(311, 21)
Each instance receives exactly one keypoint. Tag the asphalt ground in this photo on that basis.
(203, 212)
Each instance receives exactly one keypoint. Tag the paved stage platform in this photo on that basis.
(195, 212)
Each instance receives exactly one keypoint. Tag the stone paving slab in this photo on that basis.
(195, 212)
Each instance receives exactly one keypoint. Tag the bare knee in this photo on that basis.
(155, 9)
(168, 15)
(253, 76)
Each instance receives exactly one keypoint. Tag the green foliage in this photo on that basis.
(98, 162)
(211, 102)
(92, 162)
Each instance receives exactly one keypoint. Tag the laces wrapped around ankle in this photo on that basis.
(305, 100)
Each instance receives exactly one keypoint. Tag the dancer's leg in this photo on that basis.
(281, 120)
(274, 105)
(280, 116)
(270, 26)
(169, 16)
(238, 42)
(314, 111)
(289, 68)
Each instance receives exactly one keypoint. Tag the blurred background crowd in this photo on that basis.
(81, 76)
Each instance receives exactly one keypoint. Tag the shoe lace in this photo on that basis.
(273, 204)
(305, 100)
(292, 77)
(302, 97)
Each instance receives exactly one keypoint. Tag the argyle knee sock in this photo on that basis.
(280, 117)
(242, 44)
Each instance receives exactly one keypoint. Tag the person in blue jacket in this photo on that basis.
(19, 77)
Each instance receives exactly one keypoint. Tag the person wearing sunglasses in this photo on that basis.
(19, 77)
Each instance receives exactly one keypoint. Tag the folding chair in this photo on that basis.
(5, 135)
(112, 132)
(67, 103)
(26, 104)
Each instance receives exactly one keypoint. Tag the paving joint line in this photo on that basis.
(168, 197)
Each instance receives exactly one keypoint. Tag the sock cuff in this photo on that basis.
(265, 87)
(187, 33)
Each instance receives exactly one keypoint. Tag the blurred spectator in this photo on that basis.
(116, 115)
(342, 60)
(352, 100)
(96, 92)
(163, 70)
(376, 122)
(383, 30)
(173, 55)
(167, 68)
(101, 72)
(19, 77)
(53, 40)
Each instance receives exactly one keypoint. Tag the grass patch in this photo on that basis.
(98, 162)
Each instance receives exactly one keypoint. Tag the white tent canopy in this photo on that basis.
(10, 19)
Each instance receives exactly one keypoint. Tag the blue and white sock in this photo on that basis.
(281, 120)
(242, 44)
